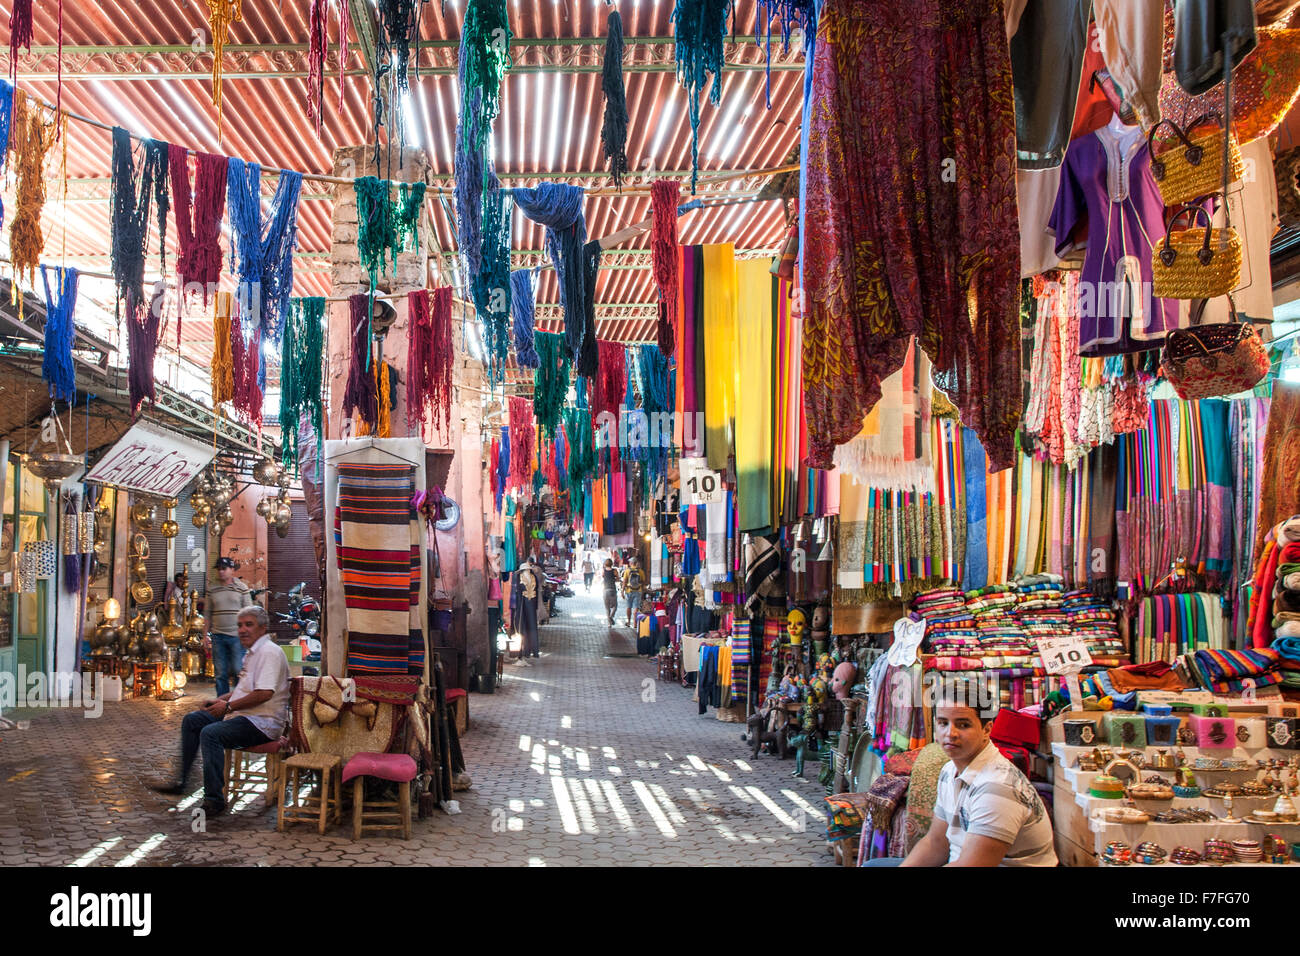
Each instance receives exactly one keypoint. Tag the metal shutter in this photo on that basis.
(157, 560)
(184, 552)
(289, 561)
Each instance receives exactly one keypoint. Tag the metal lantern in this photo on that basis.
(199, 518)
(264, 472)
(86, 532)
(284, 481)
(265, 508)
(198, 500)
(71, 540)
(169, 529)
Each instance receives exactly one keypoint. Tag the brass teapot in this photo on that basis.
(173, 632)
(153, 645)
(195, 626)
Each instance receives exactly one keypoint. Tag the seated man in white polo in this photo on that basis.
(986, 812)
(254, 713)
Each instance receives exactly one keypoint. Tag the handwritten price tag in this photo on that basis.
(703, 486)
(1064, 655)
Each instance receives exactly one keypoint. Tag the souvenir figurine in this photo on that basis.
(842, 679)
(821, 623)
(796, 622)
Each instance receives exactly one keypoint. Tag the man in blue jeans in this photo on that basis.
(225, 600)
(254, 713)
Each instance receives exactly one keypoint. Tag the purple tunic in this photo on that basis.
(1106, 182)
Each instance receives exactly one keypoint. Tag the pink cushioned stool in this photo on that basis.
(400, 769)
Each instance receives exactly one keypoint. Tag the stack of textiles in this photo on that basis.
(1288, 649)
(1226, 672)
(1275, 595)
(1093, 619)
(1038, 609)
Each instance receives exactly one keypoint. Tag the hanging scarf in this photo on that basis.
(656, 403)
(301, 363)
(31, 139)
(613, 132)
(198, 234)
(382, 372)
(431, 353)
(503, 465)
(56, 364)
(665, 196)
(142, 328)
(221, 13)
(6, 116)
(523, 308)
(223, 363)
(490, 287)
(550, 382)
(360, 394)
(246, 358)
(558, 207)
(265, 250)
(700, 28)
(523, 451)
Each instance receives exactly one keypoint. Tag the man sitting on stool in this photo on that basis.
(254, 713)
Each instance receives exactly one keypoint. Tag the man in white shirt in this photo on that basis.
(987, 813)
(255, 712)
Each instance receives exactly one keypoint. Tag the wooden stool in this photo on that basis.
(310, 808)
(242, 778)
(394, 814)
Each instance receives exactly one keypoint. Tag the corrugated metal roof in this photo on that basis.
(551, 111)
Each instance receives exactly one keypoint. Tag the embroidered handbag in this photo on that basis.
(1195, 264)
(1195, 168)
(1208, 361)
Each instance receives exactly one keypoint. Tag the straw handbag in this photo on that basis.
(1195, 263)
(1195, 168)
(1208, 361)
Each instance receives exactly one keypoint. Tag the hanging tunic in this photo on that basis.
(1107, 184)
(909, 214)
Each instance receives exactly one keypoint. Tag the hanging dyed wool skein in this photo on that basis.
(550, 381)
(265, 251)
(613, 132)
(523, 310)
(142, 328)
(198, 231)
(523, 448)
(6, 118)
(399, 25)
(56, 365)
(430, 355)
(665, 197)
(132, 189)
(221, 13)
(32, 138)
(700, 28)
(20, 31)
(301, 361)
(490, 287)
(484, 57)
(610, 382)
(359, 394)
(789, 14)
(317, 44)
(223, 362)
(246, 359)
(558, 207)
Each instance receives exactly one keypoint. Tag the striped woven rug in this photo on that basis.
(377, 536)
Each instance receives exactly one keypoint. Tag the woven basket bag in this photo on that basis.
(1195, 168)
(1195, 263)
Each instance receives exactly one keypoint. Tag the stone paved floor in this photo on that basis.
(583, 758)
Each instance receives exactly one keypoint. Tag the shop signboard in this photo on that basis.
(152, 460)
(703, 485)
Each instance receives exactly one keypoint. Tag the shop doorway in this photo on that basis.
(289, 561)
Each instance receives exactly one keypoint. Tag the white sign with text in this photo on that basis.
(703, 485)
(152, 460)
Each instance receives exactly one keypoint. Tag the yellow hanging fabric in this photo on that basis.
(223, 362)
(383, 388)
(754, 323)
(221, 13)
(719, 353)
